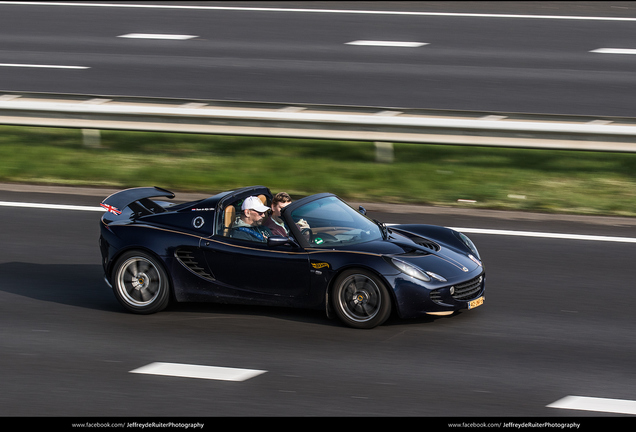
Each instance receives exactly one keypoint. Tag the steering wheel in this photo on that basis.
(318, 239)
(307, 233)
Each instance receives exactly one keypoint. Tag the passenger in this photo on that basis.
(248, 225)
(275, 223)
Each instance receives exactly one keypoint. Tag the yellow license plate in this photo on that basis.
(475, 303)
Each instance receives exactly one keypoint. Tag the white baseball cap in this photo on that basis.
(253, 203)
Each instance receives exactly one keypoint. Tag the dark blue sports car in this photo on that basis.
(333, 257)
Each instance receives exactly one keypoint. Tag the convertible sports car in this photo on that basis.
(355, 268)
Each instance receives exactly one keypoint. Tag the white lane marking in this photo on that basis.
(614, 51)
(49, 206)
(617, 406)
(387, 43)
(465, 230)
(25, 65)
(197, 371)
(547, 235)
(157, 36)
(333, 11)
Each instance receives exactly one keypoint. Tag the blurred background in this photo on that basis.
(500, 57)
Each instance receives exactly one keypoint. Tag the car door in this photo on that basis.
(243, 268)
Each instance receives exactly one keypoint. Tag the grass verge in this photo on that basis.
(575, 182)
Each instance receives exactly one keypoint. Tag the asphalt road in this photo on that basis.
(469, 62)
(558, 321)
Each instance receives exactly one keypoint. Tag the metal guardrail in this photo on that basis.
(375, 124)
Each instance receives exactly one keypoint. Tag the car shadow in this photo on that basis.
(84, 286)
(308, 316)
(72, 285)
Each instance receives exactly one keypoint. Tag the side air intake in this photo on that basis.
(189, 261)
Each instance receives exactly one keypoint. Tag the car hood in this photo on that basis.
(447, 262)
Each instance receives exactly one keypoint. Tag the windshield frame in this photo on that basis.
(359, 222)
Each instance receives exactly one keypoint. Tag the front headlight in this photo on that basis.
(410, 270)
(416, 272)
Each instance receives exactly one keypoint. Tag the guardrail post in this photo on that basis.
(91, 138)
(384, 152)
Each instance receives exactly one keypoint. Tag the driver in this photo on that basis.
(248, 225)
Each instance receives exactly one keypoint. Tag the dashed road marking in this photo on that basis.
(198, 371)
(157, 36)
(387, 43)
(614, 51)
(42, 66)
(581, 403)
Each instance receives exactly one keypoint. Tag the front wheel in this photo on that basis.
(140, 283)
(361, 299)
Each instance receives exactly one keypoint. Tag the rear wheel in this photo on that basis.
(140, 283)
(361, 299)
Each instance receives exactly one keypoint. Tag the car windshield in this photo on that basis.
(331, 222)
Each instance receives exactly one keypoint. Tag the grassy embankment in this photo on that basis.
(514, 179)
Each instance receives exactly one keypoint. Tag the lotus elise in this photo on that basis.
(333, 258)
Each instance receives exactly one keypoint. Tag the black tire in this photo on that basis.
(360, 299)
(140, 283)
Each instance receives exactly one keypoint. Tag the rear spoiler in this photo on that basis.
(137, 199)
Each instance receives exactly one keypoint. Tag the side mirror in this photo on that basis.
(274, 241)
(362, 210)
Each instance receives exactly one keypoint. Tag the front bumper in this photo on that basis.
(414, 299)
